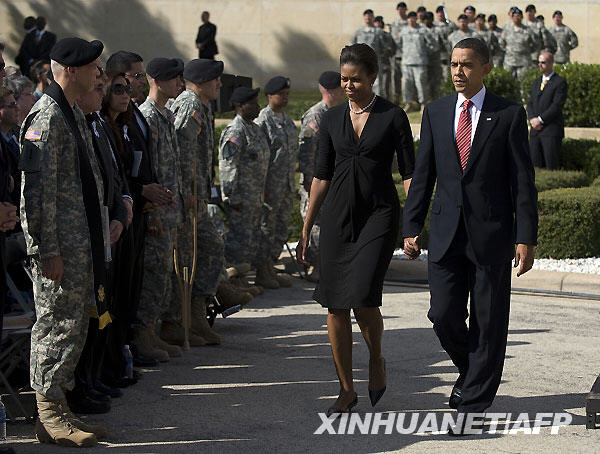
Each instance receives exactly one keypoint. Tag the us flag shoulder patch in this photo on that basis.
(196, 116)
(34, 134)
(314, 126)
(235, 140)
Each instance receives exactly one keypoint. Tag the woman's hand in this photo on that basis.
(301, 249)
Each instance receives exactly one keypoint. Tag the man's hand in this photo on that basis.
(8, 216)
(302, 248)
(116, 228)
(53, 268)
(536, 123)
(129, 207)
(412, 248)
(525, 256)
(157, 194)
(155, 228)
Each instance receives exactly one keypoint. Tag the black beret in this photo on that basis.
(516, 11)
(202, 70)
(440, 9)
(164, 68)
(330, 80)
(411, 14)
(462, 16)
(530, 8)
(243, 94)
(556, 13)
(421, 9)
(378, 19)
(401, 5)
(492, 17)
(480, 16)
(469, 8)
(76, 51)
(276, 84)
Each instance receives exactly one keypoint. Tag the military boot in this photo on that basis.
(52, 426)
(100, 431)
(172, 333)
(264, 277)
(238, 269)
(200, 326)
(282, 279)
(144, 345)
(173, 350)
(230, 295)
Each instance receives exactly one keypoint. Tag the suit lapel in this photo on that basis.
(487, 121)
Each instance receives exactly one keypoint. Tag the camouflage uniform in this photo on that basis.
(374, 37)
(498, 56)
(243, 163)
(543, 39)
(458, 35)
(445, 29)
(395, 29)
(434, 67)
(417, 46)
(195, 136)
(566, 41)
(54, 222)
(520, 43)
(158, 256)
(282, 138)
(490, 40)
(307, 155)
(385, 69)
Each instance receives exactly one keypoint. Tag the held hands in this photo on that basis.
(53, 268)
(157, 194)
(536, 124)
(412, 248)
(524, 255)
(8, 216)
(129, 208)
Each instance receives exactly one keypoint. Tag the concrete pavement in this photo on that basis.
(260, 391)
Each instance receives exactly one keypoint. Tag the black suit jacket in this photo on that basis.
(496, 194)
(43, 48)
(206, 36)
(27, 52)
(548, 104)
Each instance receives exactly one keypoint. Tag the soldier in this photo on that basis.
(243, 163)
(543, 38)
(373, 36)
(163, 77)
(470, 12)
(395, 29)
(487, 36)
(566, 39)
(332, 94)
(389, 51)
(421, 11)
(498, 56)
(463, 31)
(62, 220)
(434, 68)
(520, 42)
(279, 188)
(446, 27)
(417, 45)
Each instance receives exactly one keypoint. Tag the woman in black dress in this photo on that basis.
(360, 218)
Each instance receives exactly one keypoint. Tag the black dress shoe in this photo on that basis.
(456, 394)
(97, 395)
(112, 392)
(139, 361)
(87, 406)
(375, 395)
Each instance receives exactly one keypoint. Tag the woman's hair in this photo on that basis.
(123, 118)
(361, 55)
(17, 83)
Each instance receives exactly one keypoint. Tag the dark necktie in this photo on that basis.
(463, 134)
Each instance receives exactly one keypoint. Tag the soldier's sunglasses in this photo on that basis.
(136, 76)
(120, 89)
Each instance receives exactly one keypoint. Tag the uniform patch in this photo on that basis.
(314, 126)
(196, 116)
(34, 134)
(235, 140)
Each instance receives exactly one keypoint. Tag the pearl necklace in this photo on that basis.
(364, 108)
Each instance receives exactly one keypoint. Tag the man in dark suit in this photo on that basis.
(474, 144)
(544, 110)
(44, 40)
(24, 58)
(205, 40)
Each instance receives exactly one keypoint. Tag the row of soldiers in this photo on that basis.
(414, 54)
(115, 186)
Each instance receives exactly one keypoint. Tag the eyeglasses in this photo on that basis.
(137, 76)
(10, 105)
(542, 62)
(120, 89)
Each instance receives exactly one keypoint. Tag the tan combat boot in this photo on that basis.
(282, 279)
(52, 426)
(144, 345)
(200, 324)
(101, 432)
(230, 295)
(173, 350)
(264, 277)
(172, 333)
(238, 269)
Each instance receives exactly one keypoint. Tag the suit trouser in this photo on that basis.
(544, 151)
(478, 351)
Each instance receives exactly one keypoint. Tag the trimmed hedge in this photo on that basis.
(596, 182)
(499, 81)
(581, 154)
(553, 179)
(568, 223)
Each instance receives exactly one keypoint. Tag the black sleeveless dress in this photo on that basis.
(360, 215)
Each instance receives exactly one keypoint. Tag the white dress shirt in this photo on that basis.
(477, 101)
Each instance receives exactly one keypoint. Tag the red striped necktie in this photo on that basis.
(463, 134)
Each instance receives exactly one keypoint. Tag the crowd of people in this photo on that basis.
(414, 49)
(107, 183)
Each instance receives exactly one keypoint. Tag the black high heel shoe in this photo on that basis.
(375, 395)
(332, 410)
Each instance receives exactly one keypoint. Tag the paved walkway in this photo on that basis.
(261, 390)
